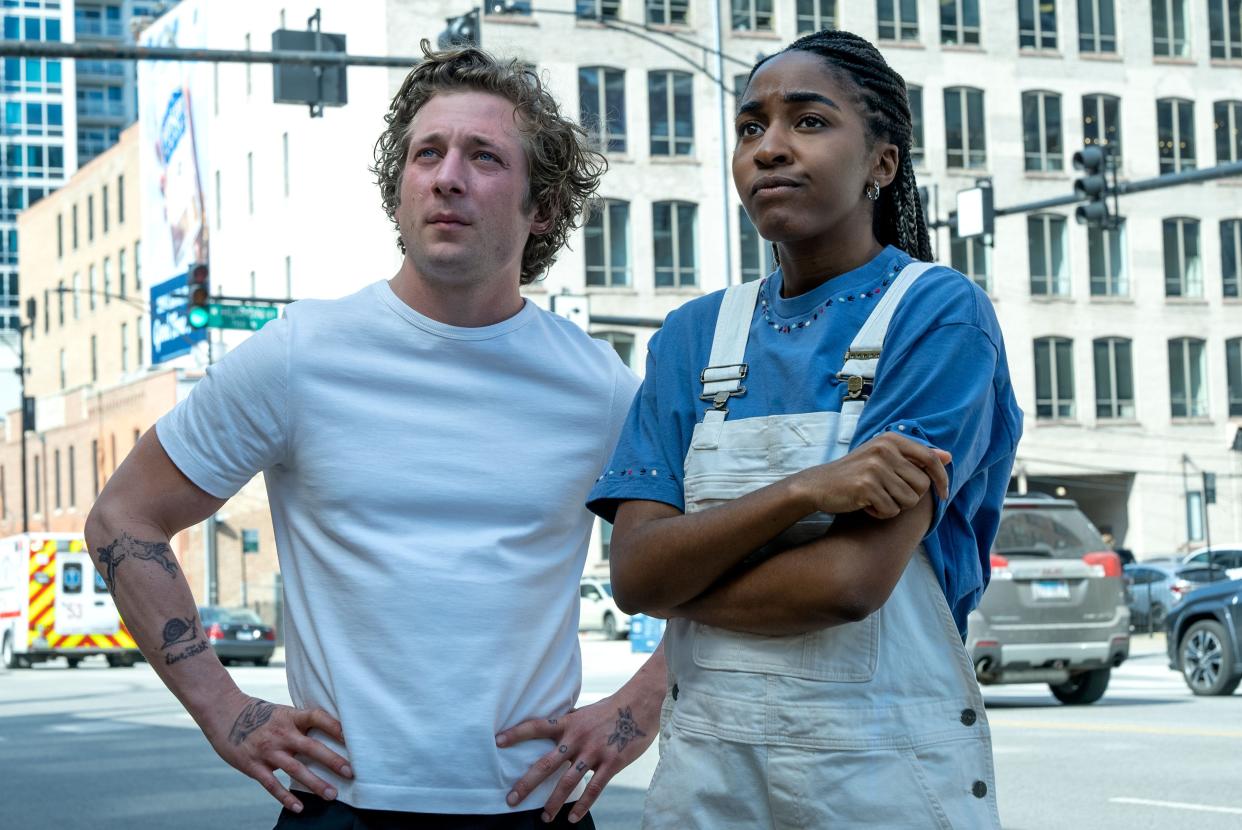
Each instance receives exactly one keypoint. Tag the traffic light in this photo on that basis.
(462, 31)
(1092, 184)
(198, 294)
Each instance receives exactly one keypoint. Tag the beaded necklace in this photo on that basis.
(822, 308)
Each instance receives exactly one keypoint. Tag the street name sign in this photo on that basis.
(243, 317)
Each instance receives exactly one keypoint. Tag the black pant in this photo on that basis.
(318, 814)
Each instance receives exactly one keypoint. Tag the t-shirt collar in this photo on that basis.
(384, 291)
(883, 265)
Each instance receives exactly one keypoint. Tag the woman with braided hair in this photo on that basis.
(809, 483)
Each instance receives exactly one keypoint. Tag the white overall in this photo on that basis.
(873, 724)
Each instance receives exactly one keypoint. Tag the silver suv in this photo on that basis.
(1055, 611)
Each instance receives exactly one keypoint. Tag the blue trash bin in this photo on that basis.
(645, 633)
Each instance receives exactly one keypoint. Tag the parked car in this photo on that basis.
(1055, 610)
(1227, 555)
(1205, 638)
(599, 612)
(238, 634)
(1156, 585)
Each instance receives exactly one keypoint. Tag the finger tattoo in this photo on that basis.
(251, 718)
(627, 730)
(552, 721)
(562, 749)
(581, 767)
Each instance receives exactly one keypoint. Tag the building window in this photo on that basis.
(1037, 24)
(47, 311)
(1097, 26)
(74, 214)
(1041, 131)
(1101, 123)
(77, 299)
(816, 15)
(60, 235)
(752, 15)
(1194, 516)
(667, 12)
(139, 355)
(64, 371)
(56, 478)
(95, 466)
(1227, 124)
(1183, 269)
(38, 485)
(898, 19)
(608, 244)
(622, 342)
(1231, 257)
(1046, 247)
(1168, 29)
(963, 127)
(137, 266)
(970, 256)
(671, 99)
(94, 359)
(597, 9)
(601, 92)
(757, 260)
(1175, 120)
(1106, 259)
(120, 272)
(250, 180)
(1225, 29)
(60, 303)
(90, 287)
(1114, 379)
(90, 218)
(673, 241)
(107, 283)
(1054, 378)
(915, 95)
(124, 347)
(1187, 378)
(104, 208)
(959, 22)
(73, 480)
(1233, 369)
(120, 199)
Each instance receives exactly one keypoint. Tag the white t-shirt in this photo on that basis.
(427, 486)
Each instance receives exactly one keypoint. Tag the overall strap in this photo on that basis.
(864, 352)
(722, 379)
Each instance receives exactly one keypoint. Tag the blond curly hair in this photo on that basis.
(564, 170)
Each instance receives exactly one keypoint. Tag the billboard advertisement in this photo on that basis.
(172, 161)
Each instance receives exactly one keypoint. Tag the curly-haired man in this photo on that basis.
(427, 444)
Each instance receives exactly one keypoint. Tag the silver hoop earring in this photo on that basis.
(873, 191)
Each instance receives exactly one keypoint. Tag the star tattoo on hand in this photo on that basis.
(627, 730)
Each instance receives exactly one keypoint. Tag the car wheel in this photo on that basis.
(120, 661)
(1081, 689)
(8, 655)
(73, 661)
(610, 627)
(1207, 663)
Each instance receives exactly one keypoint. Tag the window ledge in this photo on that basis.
(1057, 422)
(1030, 52)
(977, 172)
(747, 33)
(673, 28)
(511, 19)
(679, 290)
(1165, 59)
(1051, 299)
(1192, 421)
(675, 160)
(1046, 175)
(1187, 301)
(1231, 300)
(963, 47)
(1225, 63)
(901, 44)
(1118, 422)
(1112, 299)
(619, 158)
(1106, 57)
(623, 290)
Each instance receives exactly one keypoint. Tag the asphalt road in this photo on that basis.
(108, 749)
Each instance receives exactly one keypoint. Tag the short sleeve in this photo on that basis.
(939, 390)
(646, 464)
(233, 423)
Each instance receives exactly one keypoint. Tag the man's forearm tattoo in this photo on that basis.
(627, 730)
(128, 547)
(251, 718)
(178, 631)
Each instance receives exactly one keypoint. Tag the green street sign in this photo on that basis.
(243, 317)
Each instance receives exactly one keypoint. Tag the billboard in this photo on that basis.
(171, 335)
(173, 150)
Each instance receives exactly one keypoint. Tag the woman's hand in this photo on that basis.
(886, 475)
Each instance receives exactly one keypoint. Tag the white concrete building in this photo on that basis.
(1004, 90)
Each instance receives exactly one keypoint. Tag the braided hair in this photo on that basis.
(881, 97)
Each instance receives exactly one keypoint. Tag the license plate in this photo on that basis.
(1050, 589)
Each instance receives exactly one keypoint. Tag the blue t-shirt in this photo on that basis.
(942, 378)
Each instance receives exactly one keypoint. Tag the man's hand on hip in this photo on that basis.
(263, 737)
(602, 739)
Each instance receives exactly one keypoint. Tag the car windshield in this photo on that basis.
(607, 586)
(213, 615)
(243, 616)
(1047, 532)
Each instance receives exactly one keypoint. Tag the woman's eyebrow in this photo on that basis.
(810, 97)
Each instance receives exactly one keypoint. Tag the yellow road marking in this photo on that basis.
(1117, 728)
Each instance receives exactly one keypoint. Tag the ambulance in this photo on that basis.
(53, 603)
